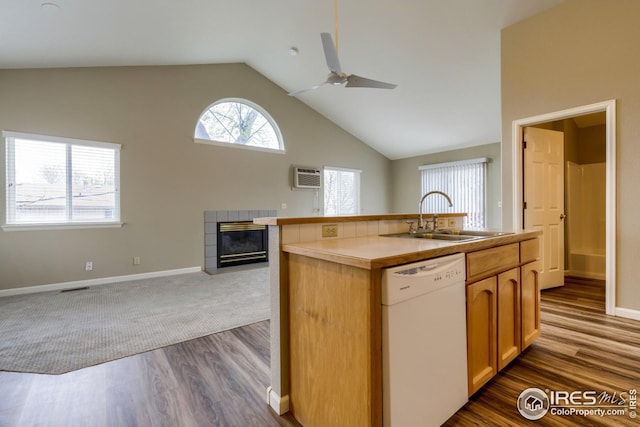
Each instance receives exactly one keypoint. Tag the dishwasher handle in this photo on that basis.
(430, 267)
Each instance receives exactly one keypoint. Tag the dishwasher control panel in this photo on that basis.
(411, 280)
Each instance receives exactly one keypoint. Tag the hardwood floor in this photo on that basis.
(221, 379)
(580, 348)
(217, 380)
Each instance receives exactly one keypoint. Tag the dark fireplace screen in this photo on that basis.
(241, 243)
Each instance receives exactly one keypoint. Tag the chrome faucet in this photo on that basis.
(435, 220)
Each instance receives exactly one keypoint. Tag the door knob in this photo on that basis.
(562, 216)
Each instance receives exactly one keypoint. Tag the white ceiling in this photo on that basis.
(443, 54)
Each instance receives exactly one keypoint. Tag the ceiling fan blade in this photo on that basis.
(357, 81)
(298, 92)
(330, 53)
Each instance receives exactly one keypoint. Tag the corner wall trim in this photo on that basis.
(277, 403)
(96, 282)
(628, 313)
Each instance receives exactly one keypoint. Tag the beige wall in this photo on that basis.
(167, 181)
(405, 177)
(579, 53)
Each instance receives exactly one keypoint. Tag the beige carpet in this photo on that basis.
(57, 332)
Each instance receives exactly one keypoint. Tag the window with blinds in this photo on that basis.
(341, 191)
(465, 182)
(53, 180)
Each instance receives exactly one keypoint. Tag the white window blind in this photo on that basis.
(341, 191)
(52, 180)
(464, 182)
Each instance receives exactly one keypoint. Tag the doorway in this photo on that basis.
(574, 203)
(608, 108)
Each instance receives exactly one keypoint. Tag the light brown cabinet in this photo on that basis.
(503, 307)
(530, 303)
(482, 323)
(509, 322)
(488, 262)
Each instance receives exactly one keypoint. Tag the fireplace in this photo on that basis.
(241, 242)
(211, 221)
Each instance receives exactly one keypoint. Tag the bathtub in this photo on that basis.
(587, 263)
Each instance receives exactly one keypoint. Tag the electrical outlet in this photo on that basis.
(136, 260)
(88, 266)
(283, 206)
(330, 230)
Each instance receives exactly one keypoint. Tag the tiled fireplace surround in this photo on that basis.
(211, 220)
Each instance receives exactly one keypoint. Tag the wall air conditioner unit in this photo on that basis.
(306, 177)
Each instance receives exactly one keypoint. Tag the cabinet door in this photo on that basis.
(530, 303)
(481, 332)
(508, 317)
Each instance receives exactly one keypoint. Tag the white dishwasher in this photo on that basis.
(424, 342)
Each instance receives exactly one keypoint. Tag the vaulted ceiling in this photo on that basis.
(443, 54)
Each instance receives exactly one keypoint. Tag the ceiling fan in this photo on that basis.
(336, 76)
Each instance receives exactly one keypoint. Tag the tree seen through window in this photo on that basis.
(238, 122)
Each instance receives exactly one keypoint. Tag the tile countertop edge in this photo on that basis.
(354, 218)
(348, 252)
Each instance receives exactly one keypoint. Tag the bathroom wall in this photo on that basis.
(586, 224)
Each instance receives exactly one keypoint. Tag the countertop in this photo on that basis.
(373, 252)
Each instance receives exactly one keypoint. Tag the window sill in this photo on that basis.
(61, 226)
(240, 146)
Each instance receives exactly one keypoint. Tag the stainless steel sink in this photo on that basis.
(439, 236)
(461, 236)
(485, 233)
(435, 236)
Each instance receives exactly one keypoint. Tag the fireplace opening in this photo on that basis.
(241, 242)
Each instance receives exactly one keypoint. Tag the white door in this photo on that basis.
(544, 199)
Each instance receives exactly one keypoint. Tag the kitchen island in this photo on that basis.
(331, 314)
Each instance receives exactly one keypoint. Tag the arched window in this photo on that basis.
(240, 123)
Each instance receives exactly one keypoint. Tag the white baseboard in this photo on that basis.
(627, 313)
(277, 403)
(96, 282)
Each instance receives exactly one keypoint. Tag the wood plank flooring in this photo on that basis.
(580, 348)
(217, 380)
(221, 379)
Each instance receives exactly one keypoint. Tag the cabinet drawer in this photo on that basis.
(529, 250)
(488, 262)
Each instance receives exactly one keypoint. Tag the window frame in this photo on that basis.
(358, 176)
(10, 223)
(256, 107)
